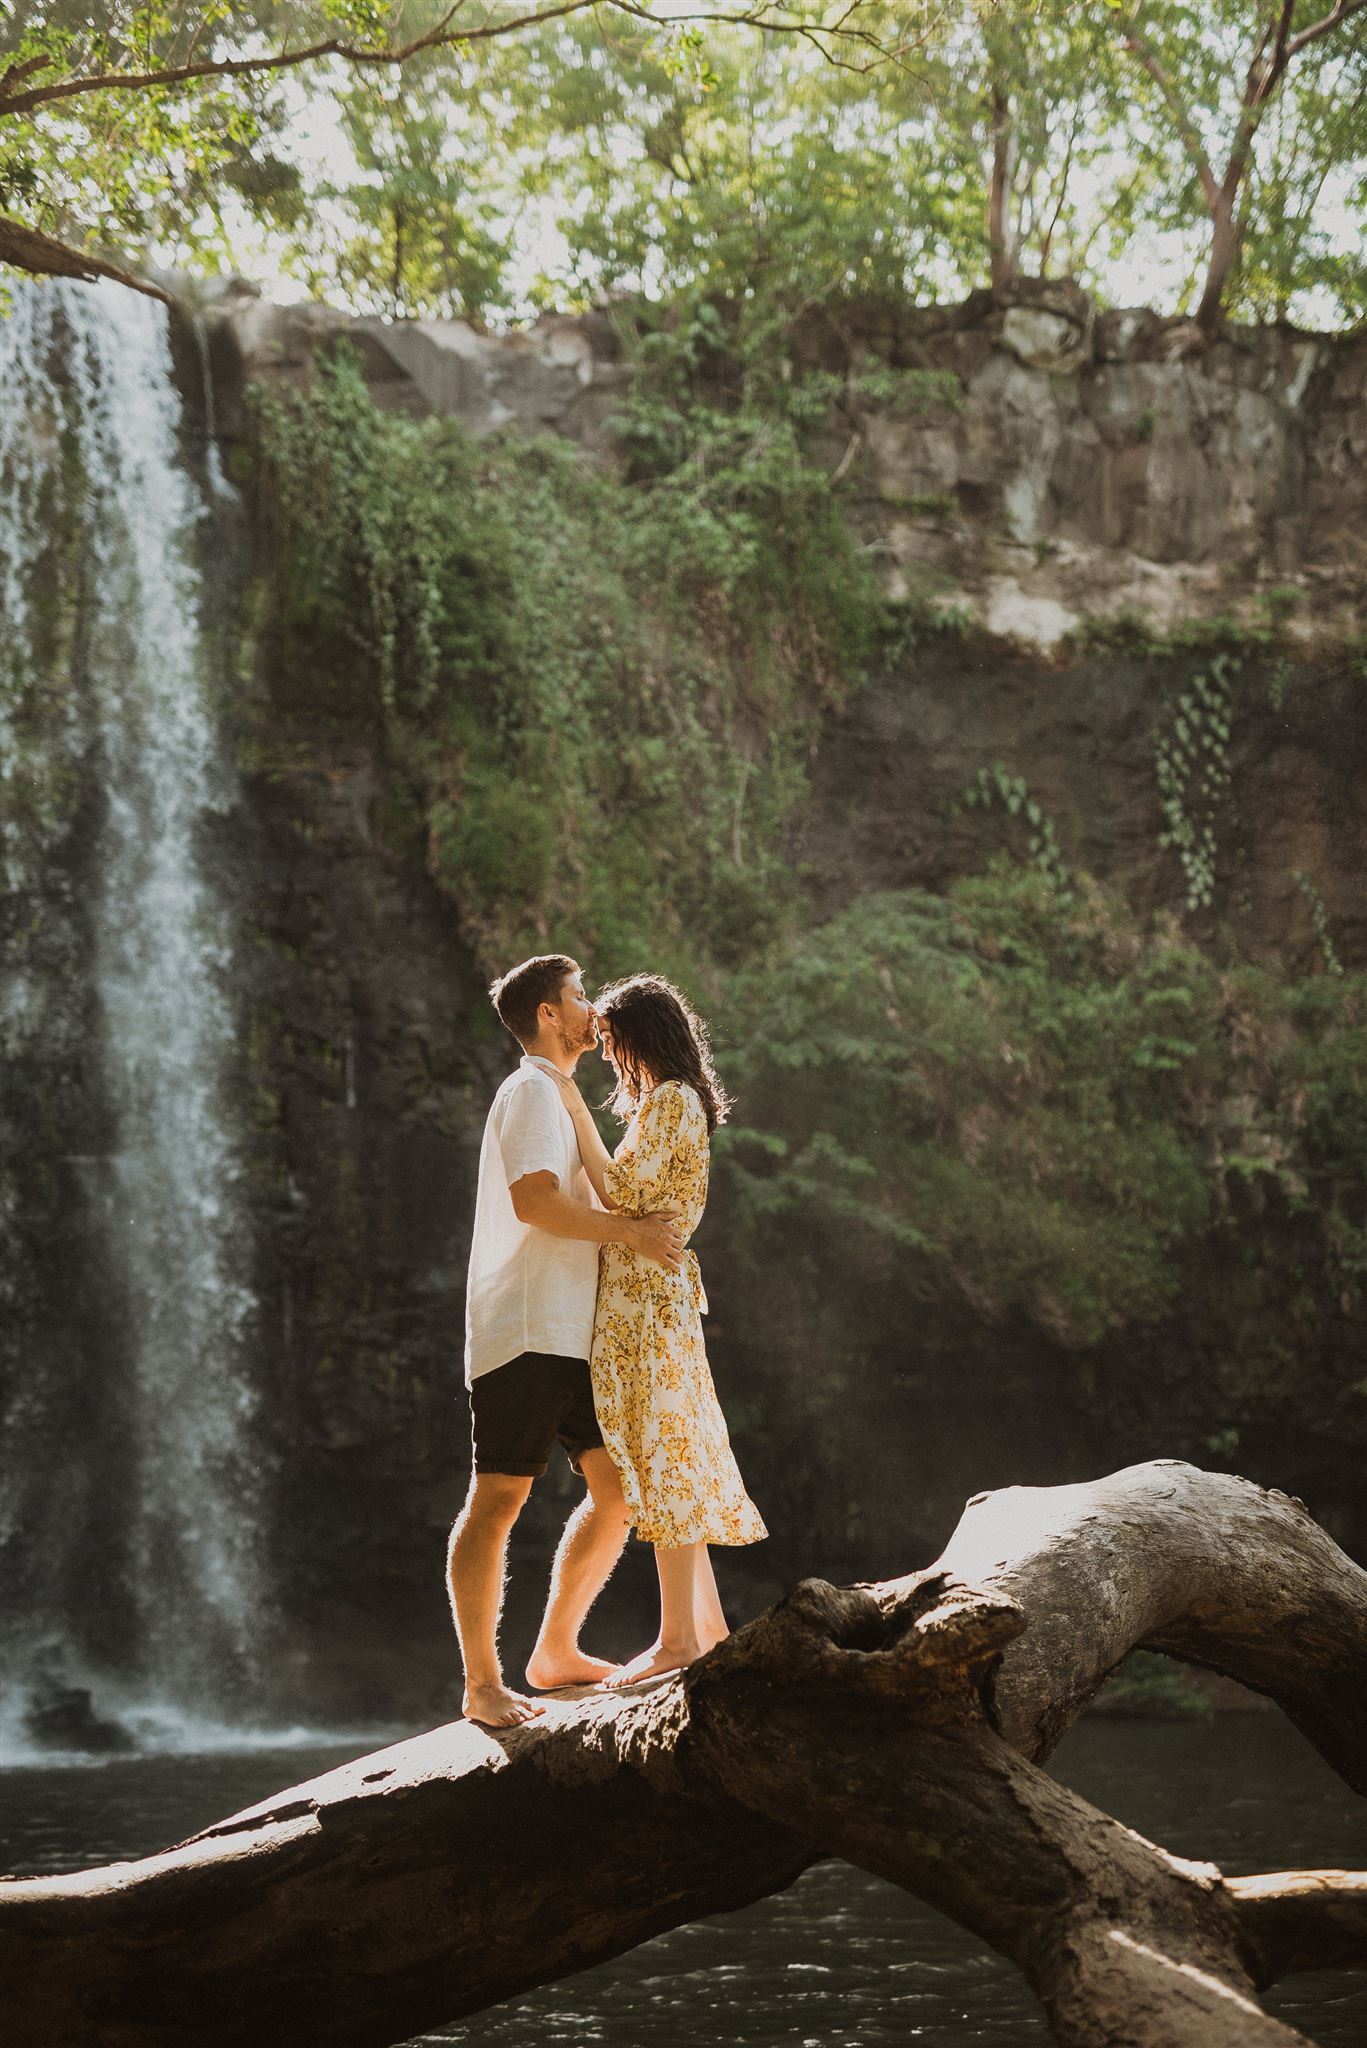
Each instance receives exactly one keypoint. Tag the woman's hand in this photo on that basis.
(571, 1097)
(592, 1151)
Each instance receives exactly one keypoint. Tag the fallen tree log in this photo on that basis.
(899, 1726)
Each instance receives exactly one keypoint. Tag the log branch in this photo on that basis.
(897, 1725)
(1203, 1566)
(403, 1890)
(1296, 1920)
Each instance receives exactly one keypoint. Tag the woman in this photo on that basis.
(652, 1388)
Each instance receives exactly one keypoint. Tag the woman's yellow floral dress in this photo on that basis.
(652, 1385)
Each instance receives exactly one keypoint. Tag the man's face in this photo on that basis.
(576, 1025)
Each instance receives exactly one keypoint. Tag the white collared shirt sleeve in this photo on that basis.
(530, 1134)
(526, 1289)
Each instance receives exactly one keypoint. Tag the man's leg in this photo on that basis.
(475, 1567)
(589, 1548)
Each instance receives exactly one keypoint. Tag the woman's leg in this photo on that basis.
(709, 1619)
(677, 1643)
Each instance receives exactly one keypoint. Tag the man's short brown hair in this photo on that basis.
(519, 994)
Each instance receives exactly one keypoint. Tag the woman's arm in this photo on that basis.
(592, 1150)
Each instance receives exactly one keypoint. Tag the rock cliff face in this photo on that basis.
(1080, 468)
(373, 1060)
(1073, 466)
(1121, 463)
(370, 1063)
(1084, 735)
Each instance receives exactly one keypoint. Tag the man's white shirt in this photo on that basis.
(527, 1290)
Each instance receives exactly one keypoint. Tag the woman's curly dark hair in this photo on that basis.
(658, 1036)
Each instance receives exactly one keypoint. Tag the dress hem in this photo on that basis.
(673, 1542)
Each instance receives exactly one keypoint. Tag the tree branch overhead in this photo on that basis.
(442, 36)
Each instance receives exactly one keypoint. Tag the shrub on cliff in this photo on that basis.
(1044, 1106)
(596, 685)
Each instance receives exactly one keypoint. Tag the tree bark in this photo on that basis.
(897, 1725)
(1002, 242)
(1224, 247)
(43, 256)
(1275, 50)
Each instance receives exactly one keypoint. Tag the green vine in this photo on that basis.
(1191, 759)
(1320, 916)
(1278, 677)
(994, 786)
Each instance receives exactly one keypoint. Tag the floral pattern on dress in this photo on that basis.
(652, 1386)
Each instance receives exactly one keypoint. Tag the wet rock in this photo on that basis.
(64, 1717)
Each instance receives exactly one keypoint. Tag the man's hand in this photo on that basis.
(656, 1237)
(538, 1199)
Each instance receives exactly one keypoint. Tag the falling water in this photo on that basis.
(89, 434)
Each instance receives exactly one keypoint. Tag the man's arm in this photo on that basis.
(538, 1199)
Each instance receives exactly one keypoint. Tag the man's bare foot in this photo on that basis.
(572, 1667)
(498, 1706)
(655, 1662)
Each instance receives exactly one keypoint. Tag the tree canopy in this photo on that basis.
(486, 159)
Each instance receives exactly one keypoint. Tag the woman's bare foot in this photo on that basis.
(498, 1706)
(547, 1672)
(655, 1662)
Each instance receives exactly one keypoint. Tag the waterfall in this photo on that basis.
(104, 686)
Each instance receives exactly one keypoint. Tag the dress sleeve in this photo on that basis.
(640, 1174)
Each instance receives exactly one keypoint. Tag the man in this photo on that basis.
(529, 1306)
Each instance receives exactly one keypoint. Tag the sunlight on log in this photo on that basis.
(897, 1726)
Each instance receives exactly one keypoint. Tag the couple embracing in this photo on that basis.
(583, 1326)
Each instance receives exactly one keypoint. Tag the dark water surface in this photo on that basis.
(840, 1959)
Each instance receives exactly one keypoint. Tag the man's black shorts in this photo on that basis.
(518, 1410)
